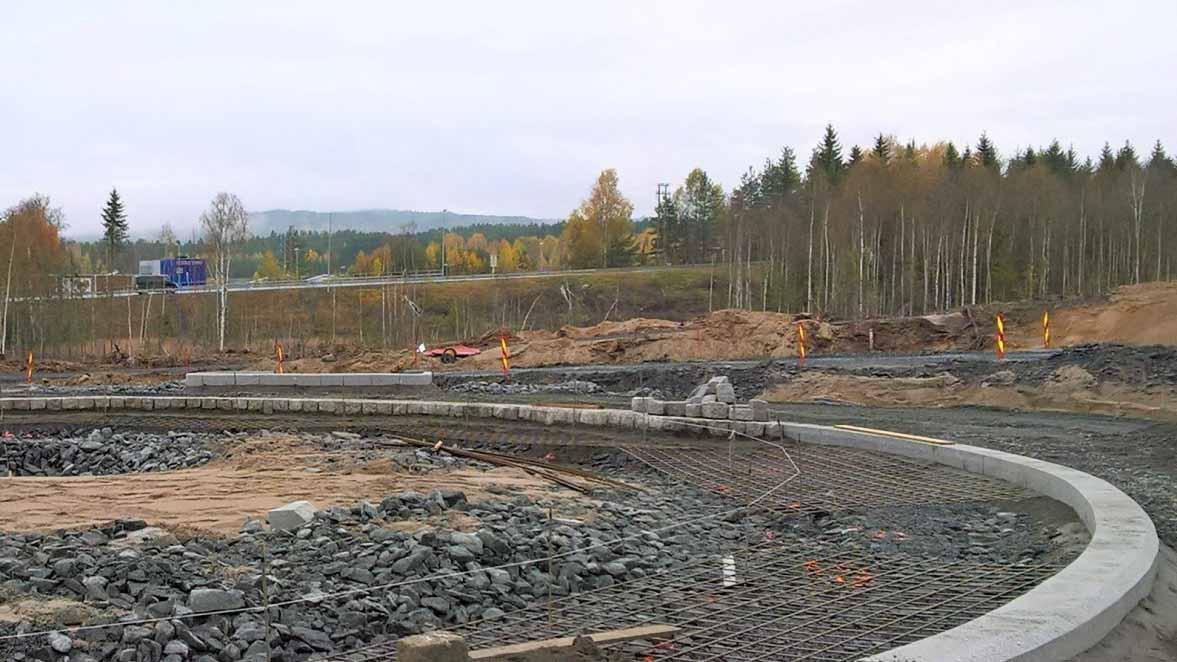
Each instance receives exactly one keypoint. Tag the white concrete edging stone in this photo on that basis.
(1056, 620)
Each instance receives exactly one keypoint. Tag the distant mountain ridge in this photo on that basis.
(374, 220)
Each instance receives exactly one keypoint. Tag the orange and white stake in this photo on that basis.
(800, 344)
(281, 358)
(505, 355)
(1000, 336)
(29, 369)
(1046, 328)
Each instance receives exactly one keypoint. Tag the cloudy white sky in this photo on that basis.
(514, 107)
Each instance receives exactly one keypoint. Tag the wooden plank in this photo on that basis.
(601, 638)
(897, 435)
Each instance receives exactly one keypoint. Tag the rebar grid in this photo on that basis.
(832, 479)
(817, 602)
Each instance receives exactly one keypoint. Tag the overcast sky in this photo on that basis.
(514, 107)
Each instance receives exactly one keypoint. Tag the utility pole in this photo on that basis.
(330, 220)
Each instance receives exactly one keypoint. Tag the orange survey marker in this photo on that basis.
(1046, 328)
(281, 357)
(29, 369)
(505, 355)
(800, 344)
(1000, 336)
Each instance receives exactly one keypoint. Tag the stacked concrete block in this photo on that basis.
(675, 408)
(655, 407)
(741, 413)
(759, 410)
(638, 404)
(694, 410)
(715, 410)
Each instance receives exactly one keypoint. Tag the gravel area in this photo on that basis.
(332, 574)
(103, 452)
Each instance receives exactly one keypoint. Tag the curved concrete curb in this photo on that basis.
(1058, 619)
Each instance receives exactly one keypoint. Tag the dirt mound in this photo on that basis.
(1144, 314)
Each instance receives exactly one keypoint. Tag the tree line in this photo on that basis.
(901, 229)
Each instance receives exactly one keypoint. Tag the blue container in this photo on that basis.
(184, 271)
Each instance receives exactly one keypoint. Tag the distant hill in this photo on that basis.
(374, 220)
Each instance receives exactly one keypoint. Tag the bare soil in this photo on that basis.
(266, 472)
(1070, 392)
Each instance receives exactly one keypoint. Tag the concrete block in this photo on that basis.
(353, 407)
(594, 417)
(193, 380)
(268, 406)
(21, 404)
(693, 410)
(247, 378)
(715, 410)
(675, 408)
(710, 397)
(241, 404)
(327, 406)
(255, 404)
(69, 403)
(223, 403)
(115, 403)
(273, 379)
(717, 380)
(217, 379)
(305, 380)
(356, 379)
(53, 404)
(755, 429)
(194, 403)
(655, 407)
(725, 393)
(505, 412)
(328, 379)
(700, 391)
(294, 405)
(414, 378)
(638, 404)
(279, 404)
(741, 413)
(433, 647)
(291, 516)
(759, 410)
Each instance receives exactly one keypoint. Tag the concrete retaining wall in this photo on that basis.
(1057, 620)
(307, 380)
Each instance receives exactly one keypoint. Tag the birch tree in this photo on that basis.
(225, 225)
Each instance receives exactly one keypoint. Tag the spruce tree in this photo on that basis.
(114, 226)
(986, 152)
(951, 156)
(855, 155)
(882, 149)
(1106, 160)
(1126, 156)
(828, 155)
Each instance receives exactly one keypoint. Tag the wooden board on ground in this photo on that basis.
(601, 638)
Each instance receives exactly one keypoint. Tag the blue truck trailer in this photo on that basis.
(171, 273)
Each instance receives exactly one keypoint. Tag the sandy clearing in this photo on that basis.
(264, 473)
